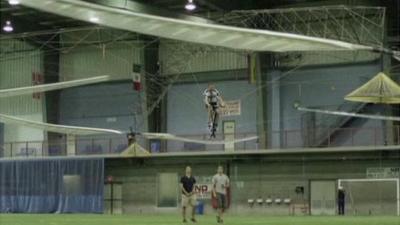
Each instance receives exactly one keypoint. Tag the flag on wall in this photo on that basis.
(136, 78)
(37, 79)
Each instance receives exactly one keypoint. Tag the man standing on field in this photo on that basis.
(341, 200)
(188, 194)
(220, 183)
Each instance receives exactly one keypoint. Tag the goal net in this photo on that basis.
(371, 196)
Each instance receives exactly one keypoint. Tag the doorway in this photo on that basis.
(323, 197)
(167, 185)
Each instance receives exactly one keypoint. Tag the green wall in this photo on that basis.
(252, 176)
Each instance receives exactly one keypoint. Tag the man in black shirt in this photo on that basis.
(188, 194)
(341, 200)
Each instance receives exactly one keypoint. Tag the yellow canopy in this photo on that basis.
(135, 150)
(380, 89)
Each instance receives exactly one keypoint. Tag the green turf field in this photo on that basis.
(23, 219)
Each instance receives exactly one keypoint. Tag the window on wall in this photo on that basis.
(167, 185)
(72, 184)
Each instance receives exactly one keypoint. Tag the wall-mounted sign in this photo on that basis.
(111, 119)
(229, 135)
(383, 172)
(203, 191)
(232, 108)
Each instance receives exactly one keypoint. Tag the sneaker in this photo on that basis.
(194, 220)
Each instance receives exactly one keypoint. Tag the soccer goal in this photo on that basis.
(371, 196)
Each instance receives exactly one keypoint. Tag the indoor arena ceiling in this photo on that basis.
(27, 20)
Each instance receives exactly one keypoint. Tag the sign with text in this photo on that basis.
(232, 108)
(383, 172)
(203, 191)
(229, 134)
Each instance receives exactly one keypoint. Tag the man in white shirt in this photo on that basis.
(220, 183)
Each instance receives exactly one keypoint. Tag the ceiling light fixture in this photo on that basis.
(94, 19)
(190, 5)
(13, 2)
(8, 27)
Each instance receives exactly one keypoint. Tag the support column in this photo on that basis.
(157, 117)
(261, 101)
(151, 67)
(388, 126)
(51, 108)
(71, 144)
(273, 117)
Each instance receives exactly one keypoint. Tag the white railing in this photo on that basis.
(277, 140)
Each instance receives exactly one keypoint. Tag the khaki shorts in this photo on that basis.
(188, 200)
